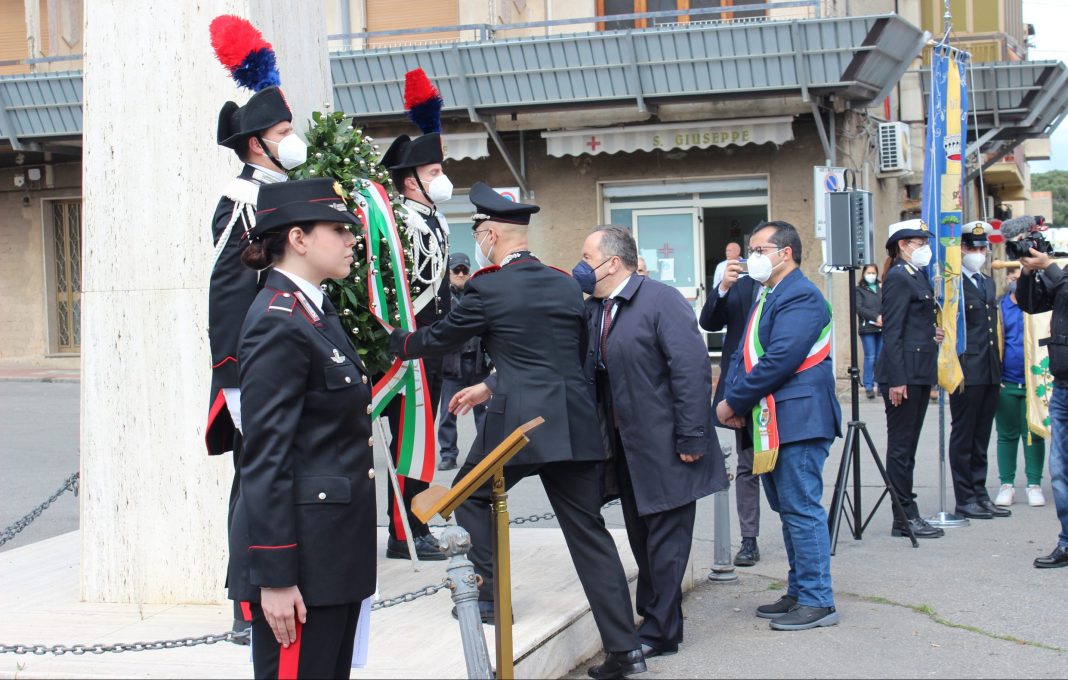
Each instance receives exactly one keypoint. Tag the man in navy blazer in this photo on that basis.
(653, 382)
(789, 324)
(728, 306)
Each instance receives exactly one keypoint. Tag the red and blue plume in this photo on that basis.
(422, 101)
(243, 51)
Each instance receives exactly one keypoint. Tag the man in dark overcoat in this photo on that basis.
(654, 398)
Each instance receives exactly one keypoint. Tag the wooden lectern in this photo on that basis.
(438, 500)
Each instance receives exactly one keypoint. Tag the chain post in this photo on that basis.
(455, 542)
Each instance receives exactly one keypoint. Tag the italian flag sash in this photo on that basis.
(765, 423)
(406, 378)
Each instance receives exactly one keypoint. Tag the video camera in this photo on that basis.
(1033, 236)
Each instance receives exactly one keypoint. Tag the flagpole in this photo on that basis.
(399, 498)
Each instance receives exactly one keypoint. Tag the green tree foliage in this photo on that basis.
(338, 150)
(1057, 182)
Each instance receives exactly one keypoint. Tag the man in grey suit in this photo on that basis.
(653, 382)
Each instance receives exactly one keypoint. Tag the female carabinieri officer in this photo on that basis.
(908, 363)
(303, 542)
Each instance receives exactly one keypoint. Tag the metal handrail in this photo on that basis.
(486, 31)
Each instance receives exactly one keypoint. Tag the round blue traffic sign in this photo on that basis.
(831, 182)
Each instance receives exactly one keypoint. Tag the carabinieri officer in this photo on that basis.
(303, 539)
(908, 364)
(974, 405)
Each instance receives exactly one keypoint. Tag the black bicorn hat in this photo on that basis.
(300, 201)
(264, 109)
(976, 234)
(491, 206)
(405, 152)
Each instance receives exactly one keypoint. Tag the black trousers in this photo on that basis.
(661, 545)
(903, 426)
(323, 648)
(746, 486)
(575, 492)
(409, 487)
(972, 410)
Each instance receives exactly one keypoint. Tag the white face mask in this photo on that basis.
(292, 151)
(974, 261)
(440, 189)
(870, 278)
(760, 267)
(921, 257)
(483, 260)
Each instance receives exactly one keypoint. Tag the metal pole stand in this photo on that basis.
(943, 518)
(502, 579)
(851, 451)
(722, 567)
(455, 542)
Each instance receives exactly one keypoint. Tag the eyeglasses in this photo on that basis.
(460, 270)
(765, 250)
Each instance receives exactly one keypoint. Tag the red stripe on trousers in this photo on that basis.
(246, 611)
(289, 657)
(398, 503)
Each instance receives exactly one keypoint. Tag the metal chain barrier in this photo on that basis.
(229, 636)
(71, 484)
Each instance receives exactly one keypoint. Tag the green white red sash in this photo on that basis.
(765, 421)
(407, 378)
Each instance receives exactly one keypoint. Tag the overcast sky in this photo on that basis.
(1050, 18)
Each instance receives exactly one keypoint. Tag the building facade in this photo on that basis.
(688, 121)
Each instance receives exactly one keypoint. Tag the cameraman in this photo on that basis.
(1042, 287)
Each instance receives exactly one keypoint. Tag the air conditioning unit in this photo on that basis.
(895, 153)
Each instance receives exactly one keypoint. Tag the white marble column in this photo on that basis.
(153, 504)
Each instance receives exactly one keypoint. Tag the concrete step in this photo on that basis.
(554, 629)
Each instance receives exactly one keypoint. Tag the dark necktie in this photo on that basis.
(606, 324)
(978, 278)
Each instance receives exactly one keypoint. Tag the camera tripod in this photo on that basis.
(851, 452)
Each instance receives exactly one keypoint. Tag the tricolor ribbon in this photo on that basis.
(765, 420)
(406, 378)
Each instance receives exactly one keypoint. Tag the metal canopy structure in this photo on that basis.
(856, 59)
(39, 107)
(1011, 102)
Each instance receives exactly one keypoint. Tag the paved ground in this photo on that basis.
(967, 605)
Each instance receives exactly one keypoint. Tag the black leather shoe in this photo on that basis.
(619, 665)
(870, 393)
(242, 627)
(1057, 558)
(994, 510)
(486, 612)
(447, 463)
(777, 608)
(748, 555)
(649, 651)
(426, 548)
(974, 511)
(920, 529)
(803, 617)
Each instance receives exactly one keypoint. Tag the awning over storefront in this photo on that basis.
(687, 135)
(455, 145)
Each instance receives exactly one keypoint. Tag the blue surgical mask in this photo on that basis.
(586, 276)
(1012, 287)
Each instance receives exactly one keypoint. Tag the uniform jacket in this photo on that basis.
(910, 352)
(231, 291)
(661, 394)
(1043, 292)
(532, 322)
(305, 512)
(869, 307)
(981, 361)
(731, 312)
(436, 310)
(794, 314)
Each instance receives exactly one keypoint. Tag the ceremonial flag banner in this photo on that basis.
(947, 135)
(404, 378)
